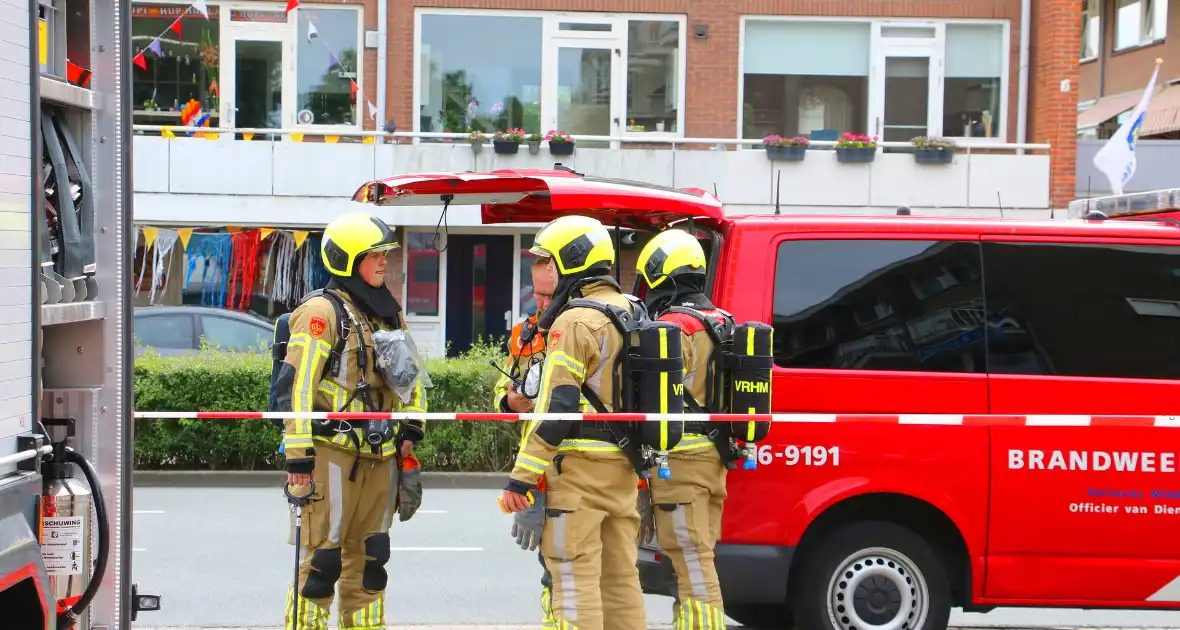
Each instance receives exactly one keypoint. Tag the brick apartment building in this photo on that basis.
(1120, 41)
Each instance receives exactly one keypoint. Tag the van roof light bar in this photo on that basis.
(1127, 204)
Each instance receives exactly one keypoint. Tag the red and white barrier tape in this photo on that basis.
(803, 418)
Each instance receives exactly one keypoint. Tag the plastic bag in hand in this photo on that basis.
(401, 365)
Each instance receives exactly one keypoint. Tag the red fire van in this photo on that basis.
(985, 402)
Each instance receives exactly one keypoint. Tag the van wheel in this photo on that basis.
(761, 616)
(873, 575)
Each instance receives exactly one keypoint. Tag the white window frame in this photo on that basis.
(227, 29)
(882, 48)
(1091, 23)
(1147, 23)
(1005, 68)
(550, 34)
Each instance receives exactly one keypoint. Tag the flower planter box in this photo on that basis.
(505, 147)
(561, 148)
(934, 156)
(786, 154)
(476, 146)
(855, 155)
(534, 147)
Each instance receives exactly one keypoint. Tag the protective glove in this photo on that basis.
(527, 525)
(647, 519)
(411, 493)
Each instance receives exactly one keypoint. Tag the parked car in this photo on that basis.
(178, 330)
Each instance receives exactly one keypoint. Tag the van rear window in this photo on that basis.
(1062, 309)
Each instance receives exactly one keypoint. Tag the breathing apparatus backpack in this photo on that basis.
(738, 381)
(648, 375)
(376, 431)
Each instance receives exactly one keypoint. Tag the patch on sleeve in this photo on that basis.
(317, 326)
(554, 337)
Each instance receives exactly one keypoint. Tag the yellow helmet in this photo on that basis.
(670, 253)
(575, 243)
(349, 237)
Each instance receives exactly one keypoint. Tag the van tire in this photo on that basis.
(872, 575)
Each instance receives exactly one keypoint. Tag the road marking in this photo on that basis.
(431, 512)
(437, 549)
(137, 549)
(148, 511)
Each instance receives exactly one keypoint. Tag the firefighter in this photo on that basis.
(688, 520)
(591, 522)
(526, 350)
(345, 533)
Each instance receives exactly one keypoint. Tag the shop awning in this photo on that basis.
(1163, 114)
(1108, 107)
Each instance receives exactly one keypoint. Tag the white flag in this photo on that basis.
(199, 5)
(1116, 159)
(311, 31)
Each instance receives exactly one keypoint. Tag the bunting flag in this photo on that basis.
(292, 5)
(231, 263)
(149, 237)
(247, 137)
(311, 32)
(331, 139)
(297, 136)
(154, 46)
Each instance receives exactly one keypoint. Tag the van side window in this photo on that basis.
(1103, 310)
(879, 305)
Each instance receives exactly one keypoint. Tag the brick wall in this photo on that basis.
(1128, 70)
(1053, 113)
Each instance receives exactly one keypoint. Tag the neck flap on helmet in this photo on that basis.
(682, 290)
(375, 301)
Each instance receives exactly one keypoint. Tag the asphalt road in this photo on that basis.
(219, 558)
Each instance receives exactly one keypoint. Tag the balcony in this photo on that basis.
(220, 180)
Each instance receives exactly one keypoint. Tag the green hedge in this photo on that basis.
(219, 381)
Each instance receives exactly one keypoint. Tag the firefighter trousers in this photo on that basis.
(591, 526)
(687, 511)
(344, 541)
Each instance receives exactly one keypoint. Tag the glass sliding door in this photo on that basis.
(907, 78)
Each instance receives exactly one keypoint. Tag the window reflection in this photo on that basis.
(653, 70)
(422, 275)
(326, 81)
(186, 67)
(480, 72)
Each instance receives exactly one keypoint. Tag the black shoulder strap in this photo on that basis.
(721, 334)
(623, 321)
(713, 328)
(343, 328)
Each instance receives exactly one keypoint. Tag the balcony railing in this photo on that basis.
(286, 163)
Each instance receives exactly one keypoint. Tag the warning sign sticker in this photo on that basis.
(62, 543)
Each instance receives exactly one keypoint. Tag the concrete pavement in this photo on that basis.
(218, 558)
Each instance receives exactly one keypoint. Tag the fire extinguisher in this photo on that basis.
(63, 525)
